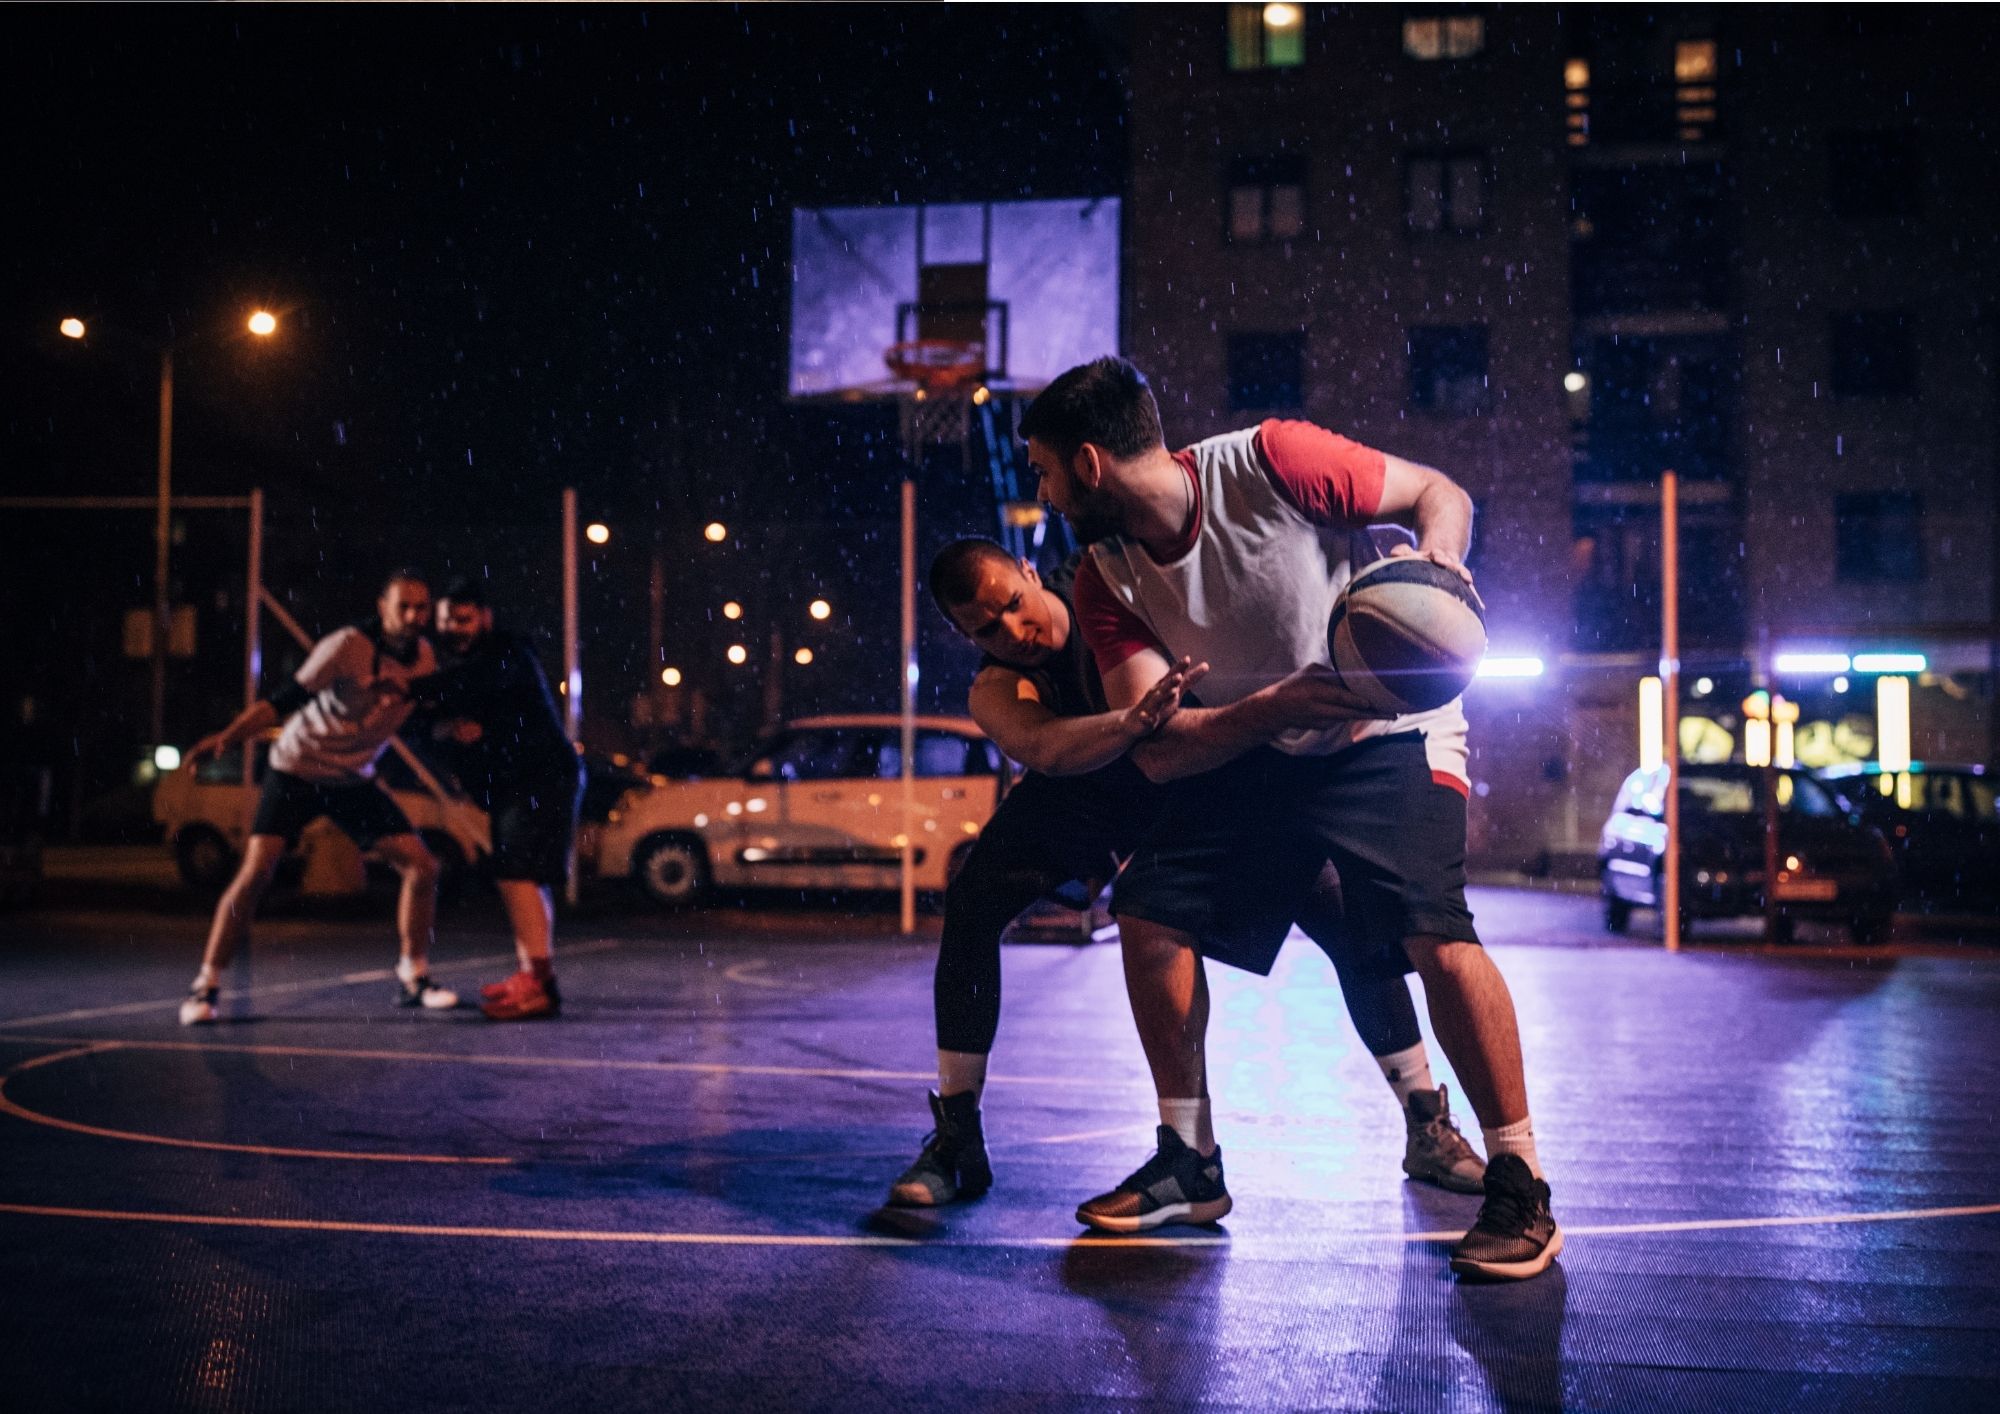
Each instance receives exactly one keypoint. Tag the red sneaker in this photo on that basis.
(522, 997)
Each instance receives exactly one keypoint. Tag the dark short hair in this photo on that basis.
(955, 570)
(466, 590)
(406, 575)
(1107, 402)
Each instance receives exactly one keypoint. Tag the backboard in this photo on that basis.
(1034, 282)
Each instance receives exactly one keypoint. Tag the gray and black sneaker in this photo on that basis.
(417, 990)
(953, 1164)
(1435, 1151)
(1515, 1236)
(199, 1009)
(1176, 1185)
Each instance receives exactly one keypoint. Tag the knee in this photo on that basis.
(420, 867)
(1151, 947)
(1444, 958)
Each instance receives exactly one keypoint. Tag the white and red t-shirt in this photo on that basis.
(1280, 524)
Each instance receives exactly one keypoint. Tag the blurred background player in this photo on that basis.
(1080, 804)
(339, 711)
(515, 759)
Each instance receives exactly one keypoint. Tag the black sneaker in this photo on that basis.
(418, 990)
(199, 1009)
(1176, 1185)
(1515, 1236)
(953, 1164)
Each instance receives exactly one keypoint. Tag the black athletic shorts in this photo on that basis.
(363, 810)
(533, 827)
(1233, 860)
(1052, 830)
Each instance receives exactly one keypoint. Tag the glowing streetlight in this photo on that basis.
(1281, 16)
(820, 609)
(738, 654)
(71, 328)
(732, 610)
(1574, 382)
(597, 533)
(803, 657)
(263, 323)
(715, 532)
(671, 676)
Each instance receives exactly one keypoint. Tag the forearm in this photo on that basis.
(1198, 739)
(253, 719)
(1442, 519)
(1074, 746)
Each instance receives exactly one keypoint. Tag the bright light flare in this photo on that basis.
(1279, 15)
(803, 657)
(166, 758)
(1574, 382)
(597, 533)
(1810, 663)
(738, 654)
(1510, 668)
(1652, 724)
(715, 532)
(820, 609)
(71, 328)
(671, 676)
(1892, 723)
(263, 323)
(1890, 662)
(732, 610)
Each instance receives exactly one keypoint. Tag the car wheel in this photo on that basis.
(1871, 929)
(204, 858)
(1617, 912)
(673, 870)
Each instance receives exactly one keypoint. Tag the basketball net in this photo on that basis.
(946, 377)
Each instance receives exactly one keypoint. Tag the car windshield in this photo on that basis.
(1948, 793)
(1737, 795)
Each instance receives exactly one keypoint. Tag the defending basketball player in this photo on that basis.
(1233, 552)
(347, 699)
(1080, 805)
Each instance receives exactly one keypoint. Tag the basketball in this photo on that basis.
(1407, 635)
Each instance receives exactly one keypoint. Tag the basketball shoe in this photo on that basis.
(1515, 1235)
(953, 1164)
(1435, 1151)
(1176, 1185)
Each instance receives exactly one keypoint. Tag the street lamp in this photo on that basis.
(597, 533)
(261, 323)
(803, 657)
(738, 654)
(715, 532)
(820, 609)
(732, 610)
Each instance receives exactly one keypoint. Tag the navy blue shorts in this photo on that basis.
(363, 809)
(1234, 860)
(533, 828)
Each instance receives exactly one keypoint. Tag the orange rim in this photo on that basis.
(937, 363)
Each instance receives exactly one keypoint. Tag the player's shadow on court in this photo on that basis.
(1162, 1302)
(1512, 1330)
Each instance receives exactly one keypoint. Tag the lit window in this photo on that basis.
(1269, 36)
(1694, 88)
(1694, 61)
(1267, 199)
(1444, 37)
(1445, 191)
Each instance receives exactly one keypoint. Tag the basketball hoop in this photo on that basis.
(938, 365)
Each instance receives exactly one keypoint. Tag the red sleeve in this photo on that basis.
(1110, 630)
(1329, 479)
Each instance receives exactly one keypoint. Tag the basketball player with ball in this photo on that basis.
(1323, 737)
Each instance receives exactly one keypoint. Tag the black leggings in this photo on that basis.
(1050, 831)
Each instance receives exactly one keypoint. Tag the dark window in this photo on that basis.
(1267, 36)
(1267, 198)
(1444, 191)
(815, 756)
(1448, 369)
(1878, 536)
(1429, 37)
(1874, 174)
(1267, 372)
(938, 754)
(1873, 355)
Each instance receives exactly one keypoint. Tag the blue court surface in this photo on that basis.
(1778, 1174)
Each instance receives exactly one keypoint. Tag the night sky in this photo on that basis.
(513, 249)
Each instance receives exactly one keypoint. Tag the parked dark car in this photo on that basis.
(1833, 867)
(1943, 826)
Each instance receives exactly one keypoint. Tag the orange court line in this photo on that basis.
(1288, 1248)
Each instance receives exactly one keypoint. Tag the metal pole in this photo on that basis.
(253, 652)
(572, 654)
(163, 609)
(909, 694)
(1670, 695)
(1767, 780)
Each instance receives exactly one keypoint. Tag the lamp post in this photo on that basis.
(263, 324)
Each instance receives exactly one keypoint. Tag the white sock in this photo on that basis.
(409, 969)
(205, 979)
(1407, 1070)
(960, 1071)
(1192, 1120)
(1517, 1139)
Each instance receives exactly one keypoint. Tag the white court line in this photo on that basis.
(285, 989)
(1287, 1249)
